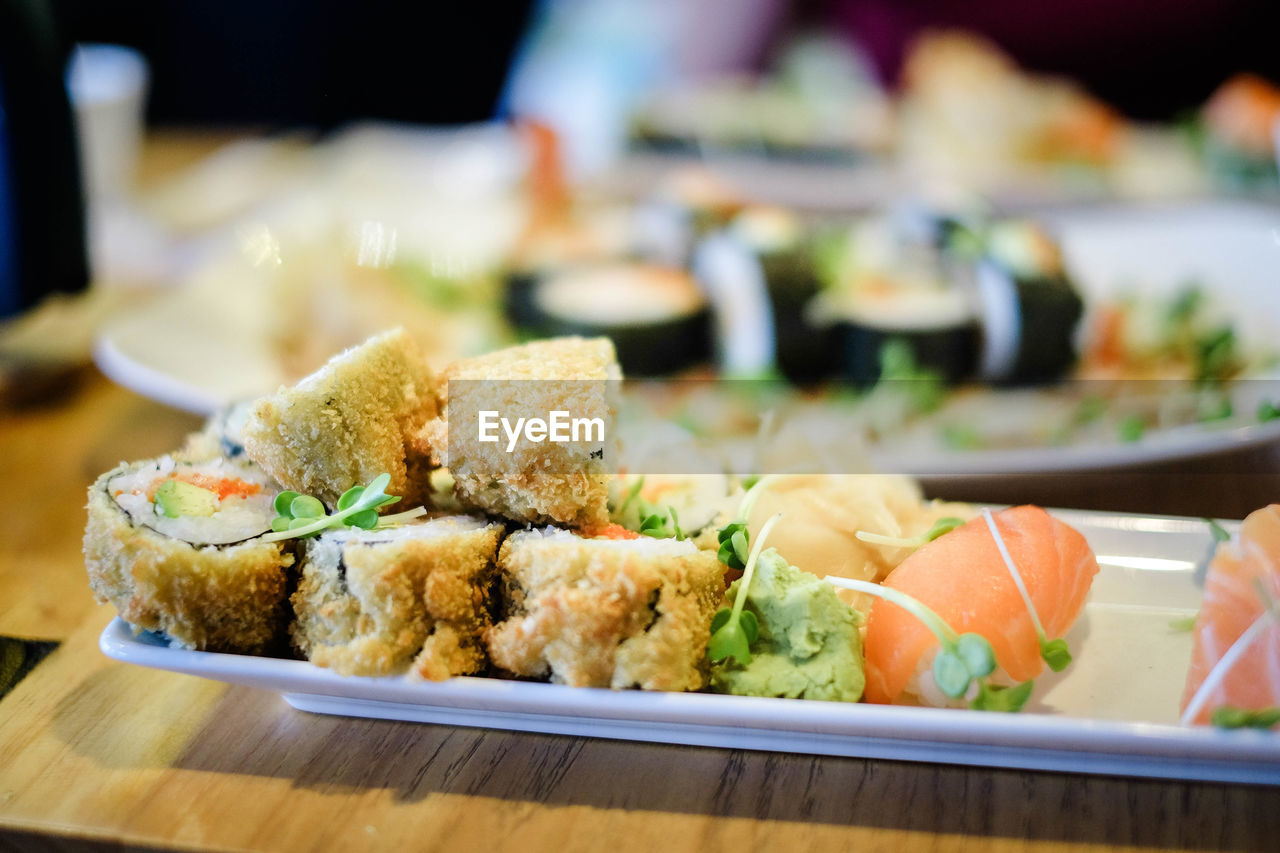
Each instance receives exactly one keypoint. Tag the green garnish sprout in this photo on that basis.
(657, 526)
(1131, 428)
(1218, 532)
(301, 516)
(733, 630)
(941, 526)
(1054, 652)
(962, 660)
(1227, 717)
(922, 386)
(632, 494)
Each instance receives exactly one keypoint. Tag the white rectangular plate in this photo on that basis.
(1114, 711)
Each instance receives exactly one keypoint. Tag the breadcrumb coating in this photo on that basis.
(539, 483)
(229, 598)
(606, 613)
(372, 605)
(349, 422)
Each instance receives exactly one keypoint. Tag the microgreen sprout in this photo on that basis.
(1131, 428)
(1054, 652)
(1217, 531)
(922, 386)
(733, 630)
(941, 526)
(963, 659)
(1228, 717)
(734, 549)
(632, 494)
(300, 516)
(657, 526)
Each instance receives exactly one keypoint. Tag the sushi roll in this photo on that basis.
(657, 317)
(617, 613)
(416, 597)
(935, 321)
(175, 547)
(1030, 307)
(349, 422)
(521, 479)
(780, 244)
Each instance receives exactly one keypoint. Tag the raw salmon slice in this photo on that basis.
(1231, 605)
(964, 579)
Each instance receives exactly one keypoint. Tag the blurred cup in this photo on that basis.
(107, 85)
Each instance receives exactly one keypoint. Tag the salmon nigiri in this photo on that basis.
(964, 578)
(1243, 572)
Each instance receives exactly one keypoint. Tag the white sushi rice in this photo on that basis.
(327, 548)
(236, 519)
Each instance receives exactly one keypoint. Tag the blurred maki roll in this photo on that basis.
(1030, 307)
(779, 242)
(657, 317)
(176, 547)
(933, 320)
(947, 225)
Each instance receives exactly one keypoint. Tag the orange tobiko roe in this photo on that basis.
(614, 531)
(223, 487)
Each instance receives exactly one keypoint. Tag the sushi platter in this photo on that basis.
(1110, 713)
(212, 342)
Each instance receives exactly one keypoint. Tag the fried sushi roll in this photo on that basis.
(370, 602)
(529, 481)
(606, 612)
(349, 422)
(175, 547)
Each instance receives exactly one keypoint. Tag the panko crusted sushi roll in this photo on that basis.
(348, 422)
(519, 477)
(606, 612)
(372, 602)
(175, 547)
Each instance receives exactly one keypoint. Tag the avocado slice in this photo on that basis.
(175, 498)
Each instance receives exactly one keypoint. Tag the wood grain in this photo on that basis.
(52, 452)
(104, 749)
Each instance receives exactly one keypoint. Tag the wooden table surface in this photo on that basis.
(106, 755)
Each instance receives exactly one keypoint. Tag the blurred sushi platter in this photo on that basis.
(1106, 283)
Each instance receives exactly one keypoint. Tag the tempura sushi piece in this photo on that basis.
(1235, 661)
(175, 547)
(349, 422)
(371, 601)
(617, 613)
(527, 480)
(963, 577)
